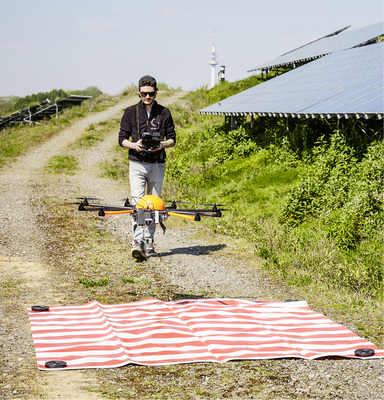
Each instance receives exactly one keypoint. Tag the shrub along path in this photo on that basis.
(52, 254)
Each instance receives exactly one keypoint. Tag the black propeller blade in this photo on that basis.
(85, 200)
(127, 203)
(173, 205)
(214, 206)
(200, 210)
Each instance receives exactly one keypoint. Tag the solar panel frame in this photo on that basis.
(333, 85)
(344, 40)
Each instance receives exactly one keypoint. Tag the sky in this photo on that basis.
(75, 44)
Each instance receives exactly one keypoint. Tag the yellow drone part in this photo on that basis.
(151, 202)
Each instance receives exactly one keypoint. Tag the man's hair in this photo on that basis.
(148, 81)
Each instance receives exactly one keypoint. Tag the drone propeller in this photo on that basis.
(86, 206)
(202, 211)
(127, 203)
(84, 203)
(85, 200)
(212, 213)
(215, 206)
(173, 205)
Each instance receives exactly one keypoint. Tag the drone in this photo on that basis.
(150, 210)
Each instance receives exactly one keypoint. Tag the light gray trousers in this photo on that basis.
(143, 176)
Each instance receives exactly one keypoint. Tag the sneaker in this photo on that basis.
(138, 251)
(149, 248)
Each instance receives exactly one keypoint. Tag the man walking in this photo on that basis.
(146, 165)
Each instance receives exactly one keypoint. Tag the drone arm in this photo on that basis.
(118, 212)
(186, 216)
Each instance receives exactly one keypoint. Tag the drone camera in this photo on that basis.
(144, 217)
(140, 216)
(151, 140)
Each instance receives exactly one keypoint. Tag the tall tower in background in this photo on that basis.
(213, 62)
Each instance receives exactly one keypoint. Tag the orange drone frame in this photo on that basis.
(151, 209)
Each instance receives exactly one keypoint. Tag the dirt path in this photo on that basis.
(23, 264)
(37, 268)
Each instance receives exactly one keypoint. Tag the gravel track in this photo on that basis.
(32, 273)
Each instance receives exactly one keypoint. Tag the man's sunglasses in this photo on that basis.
(145, 94)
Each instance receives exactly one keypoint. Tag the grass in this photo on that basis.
(249, 187)
(62, 165)
(88, 283)
(129, 279)
(96, 133)
(118, 168)
(7, 288)
(18, 139)
(9, 284)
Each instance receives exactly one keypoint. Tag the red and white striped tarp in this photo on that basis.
(153, 332)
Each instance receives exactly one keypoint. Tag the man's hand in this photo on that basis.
(160, 147)
(137, 146)
(166, 145)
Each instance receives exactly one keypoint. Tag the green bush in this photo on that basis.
(309, 197)
(345, 194)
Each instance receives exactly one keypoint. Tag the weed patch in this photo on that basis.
(62, 165)
(87, 283)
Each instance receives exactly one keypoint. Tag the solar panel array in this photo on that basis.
(343, 40)
(37, 112)
(342, 84)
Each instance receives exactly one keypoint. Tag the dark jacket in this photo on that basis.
(160, 120)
